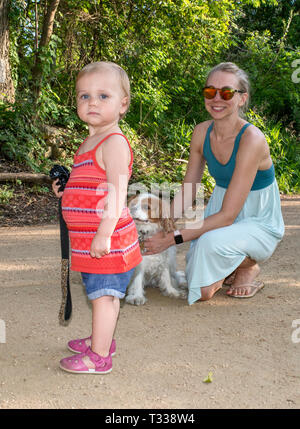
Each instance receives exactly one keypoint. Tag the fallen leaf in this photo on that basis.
(208, 379)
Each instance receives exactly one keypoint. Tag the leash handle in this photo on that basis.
(66, 303)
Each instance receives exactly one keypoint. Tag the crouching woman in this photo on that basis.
(242, 222)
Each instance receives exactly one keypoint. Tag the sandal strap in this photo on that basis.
(253, 285)
(80, 340)
(95, 358)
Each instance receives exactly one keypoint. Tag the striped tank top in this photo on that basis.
(83, 203)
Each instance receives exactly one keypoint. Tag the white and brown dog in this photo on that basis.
(159, 270)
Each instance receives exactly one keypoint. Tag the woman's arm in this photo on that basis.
(249, 156)
(186, 195)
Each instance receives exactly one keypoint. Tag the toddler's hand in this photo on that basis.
(55, 187)
(100, 246)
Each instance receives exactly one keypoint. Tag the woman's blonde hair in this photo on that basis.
(243, 79)
(99, 66)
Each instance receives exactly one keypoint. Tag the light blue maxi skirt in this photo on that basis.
(255, 233)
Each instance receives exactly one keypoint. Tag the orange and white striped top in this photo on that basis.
(82, 208)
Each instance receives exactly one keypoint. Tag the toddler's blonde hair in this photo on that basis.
(99, 66)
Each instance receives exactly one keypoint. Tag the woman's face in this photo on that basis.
(219, 108)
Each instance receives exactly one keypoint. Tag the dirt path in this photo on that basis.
(165, 348)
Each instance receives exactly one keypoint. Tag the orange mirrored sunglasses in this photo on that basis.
(225, 93)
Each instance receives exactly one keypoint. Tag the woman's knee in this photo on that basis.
(209, 242)
(247, 263)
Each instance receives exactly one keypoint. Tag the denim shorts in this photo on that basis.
(98, 285)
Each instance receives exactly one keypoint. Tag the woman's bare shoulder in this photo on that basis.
(254, 143)
(254, 137)
(199, 133)
(253, 131)
(202, 127)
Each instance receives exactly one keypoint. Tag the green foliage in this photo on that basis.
(6, 194)
(19, 137)
(284, 150)
(167, 47)
(266, 45)
(270, 70)
(23, 138)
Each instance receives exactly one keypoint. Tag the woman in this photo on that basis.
(242, 223)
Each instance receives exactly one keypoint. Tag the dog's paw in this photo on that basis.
(183, 294)
(173, 293)
(181, 279)
(135, 300)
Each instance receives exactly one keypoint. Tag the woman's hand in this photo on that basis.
(55, 187)
(100, 246)
(157, 243)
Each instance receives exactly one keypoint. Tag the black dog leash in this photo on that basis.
(62, 174)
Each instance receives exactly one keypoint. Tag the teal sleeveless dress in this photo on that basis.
(255, 233)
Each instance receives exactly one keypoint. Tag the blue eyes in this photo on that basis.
(86, 97)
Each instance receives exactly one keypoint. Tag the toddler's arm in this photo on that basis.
(115, 156)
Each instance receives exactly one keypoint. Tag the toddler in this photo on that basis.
(103, 236)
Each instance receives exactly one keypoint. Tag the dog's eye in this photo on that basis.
(145, 207)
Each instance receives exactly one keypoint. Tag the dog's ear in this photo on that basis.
(168, 224)
(164, 209)
(154, 207)
(129, 199)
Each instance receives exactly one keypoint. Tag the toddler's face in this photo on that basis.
(100, 98)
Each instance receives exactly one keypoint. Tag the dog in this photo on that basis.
(149, 213)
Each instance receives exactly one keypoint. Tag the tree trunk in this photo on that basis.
(7, 91)
(37, 73)
(25, 177)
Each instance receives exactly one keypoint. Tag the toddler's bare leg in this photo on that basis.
(105, 315)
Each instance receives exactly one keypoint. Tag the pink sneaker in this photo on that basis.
(75, 364)
(80, 346)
